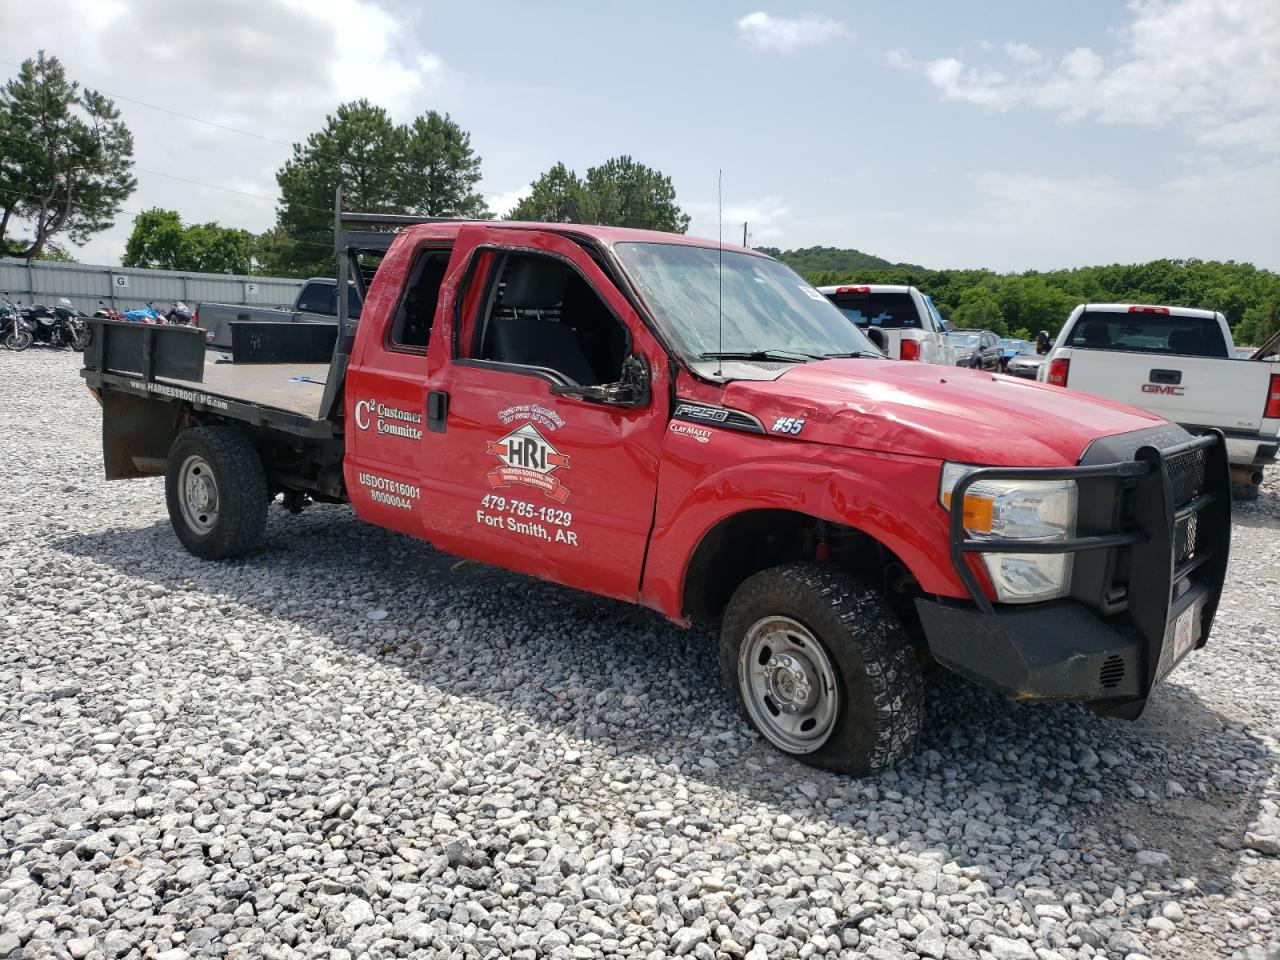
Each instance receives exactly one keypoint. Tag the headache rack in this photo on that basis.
(1169, 545)
(358, 252)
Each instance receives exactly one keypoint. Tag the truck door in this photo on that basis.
(519, 472)
(385, 403)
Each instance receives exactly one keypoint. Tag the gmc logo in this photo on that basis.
(1167, 389)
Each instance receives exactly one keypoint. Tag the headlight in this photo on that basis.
(1035, 510)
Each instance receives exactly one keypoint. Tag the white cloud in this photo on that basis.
(764, 31)
(503, 203)
(1018, 220)
(270, 67)
(1207, 66)
(767, 219)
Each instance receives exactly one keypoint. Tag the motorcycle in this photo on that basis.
(179, 313)
(107, 313)
(147, 314)
(74, 329)
(46, 328)
(16, 332)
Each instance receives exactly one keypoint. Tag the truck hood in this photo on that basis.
(926, 410)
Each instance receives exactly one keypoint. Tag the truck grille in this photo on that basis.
(1186, 483)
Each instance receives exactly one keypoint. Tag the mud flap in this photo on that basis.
(137, 433)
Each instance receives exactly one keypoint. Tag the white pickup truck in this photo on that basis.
(900, 320)
(1177, 362)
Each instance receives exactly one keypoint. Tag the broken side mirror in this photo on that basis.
(1042, 341)
(631, 390)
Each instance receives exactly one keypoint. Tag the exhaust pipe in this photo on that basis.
(1248, 476)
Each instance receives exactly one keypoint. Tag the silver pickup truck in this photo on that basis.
(317, 303)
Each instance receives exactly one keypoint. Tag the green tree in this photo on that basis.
(623, 193)
(619, 192)
(160, 241)
(441, 170)
(66, 157)
(156, 240)
(979, 309)
(426, 167)
(555, 197)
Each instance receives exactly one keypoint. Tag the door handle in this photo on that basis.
(1165, 376)
(437, 410)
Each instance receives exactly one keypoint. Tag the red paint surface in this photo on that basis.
(642, 490)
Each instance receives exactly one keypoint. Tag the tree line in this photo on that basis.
(65, 173)
(1022, 304)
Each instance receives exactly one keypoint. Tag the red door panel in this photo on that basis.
(550, 485)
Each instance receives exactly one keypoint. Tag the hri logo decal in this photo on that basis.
(527, 458)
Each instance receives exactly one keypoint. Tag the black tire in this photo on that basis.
(81, 339)
(1245, 491)
(18, 340)
(238, 518)
(877, 712)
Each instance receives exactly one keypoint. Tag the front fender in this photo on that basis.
(889, 497)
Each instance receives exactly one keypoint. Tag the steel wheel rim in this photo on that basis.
(198, 494)
(788, 684)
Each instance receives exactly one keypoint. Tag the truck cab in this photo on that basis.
(693, 428)
(903, 321)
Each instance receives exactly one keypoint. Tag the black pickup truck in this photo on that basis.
(317, 303)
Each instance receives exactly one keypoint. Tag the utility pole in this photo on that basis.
(744, 234)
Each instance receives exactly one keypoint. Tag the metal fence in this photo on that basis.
(125, 288)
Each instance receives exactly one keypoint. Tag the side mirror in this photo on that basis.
(876, 336)
(1042, 341)
(632, 390)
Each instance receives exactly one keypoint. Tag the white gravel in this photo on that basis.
(352, 746)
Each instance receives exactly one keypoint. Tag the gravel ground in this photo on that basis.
(352, 746)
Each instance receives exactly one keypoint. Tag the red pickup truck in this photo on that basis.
(696, 429)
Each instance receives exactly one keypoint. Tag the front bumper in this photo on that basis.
(1150, 563)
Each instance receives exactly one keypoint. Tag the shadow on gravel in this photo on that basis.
(1053, 790)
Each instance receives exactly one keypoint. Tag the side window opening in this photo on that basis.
(416, 313)
(544, 314)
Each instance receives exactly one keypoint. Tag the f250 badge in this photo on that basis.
(527, 458)
(788, 425)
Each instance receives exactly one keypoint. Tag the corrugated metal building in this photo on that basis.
(125, 288)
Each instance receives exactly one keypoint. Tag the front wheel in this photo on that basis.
(821, 667)
(81, 338)
(216, 491)
(17, 340)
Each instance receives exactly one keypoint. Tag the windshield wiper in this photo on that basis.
(856, 353)
(788, 356)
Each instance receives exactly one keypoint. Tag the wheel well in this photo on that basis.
(746, 543)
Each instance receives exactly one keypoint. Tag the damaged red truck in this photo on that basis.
(657, 419)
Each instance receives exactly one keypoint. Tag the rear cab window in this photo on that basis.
(320, 296)
(888, 311)
(1148, 333)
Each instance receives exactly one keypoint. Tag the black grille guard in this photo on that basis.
(1161, 582)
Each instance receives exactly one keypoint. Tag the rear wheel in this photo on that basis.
(821, 667)
(216, 491)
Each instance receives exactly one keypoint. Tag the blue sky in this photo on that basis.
(1011, 135)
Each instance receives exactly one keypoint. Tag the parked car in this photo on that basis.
(1025, 363)
(317, 302)
(1180, 363)
(1008, 347)
(691, 427)
(979, 349)
(908, 326)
